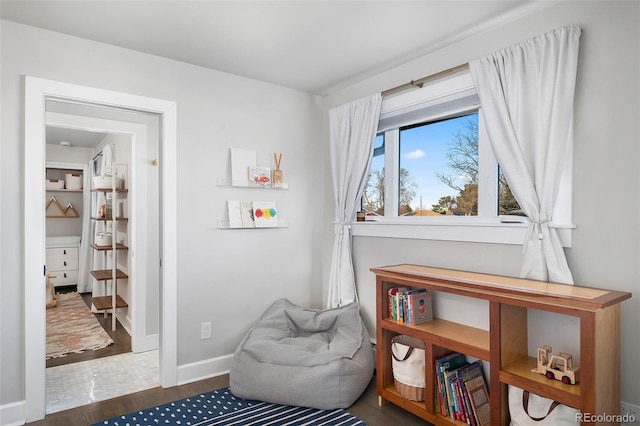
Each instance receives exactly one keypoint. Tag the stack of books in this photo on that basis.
(461, 390)
(409, 306)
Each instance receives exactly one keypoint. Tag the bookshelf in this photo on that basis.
(110, 276)
(504, 345)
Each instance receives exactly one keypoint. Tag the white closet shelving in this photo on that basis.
(110, 275)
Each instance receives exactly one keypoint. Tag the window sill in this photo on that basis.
(475, 230)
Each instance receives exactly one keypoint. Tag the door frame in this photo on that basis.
(37, 92)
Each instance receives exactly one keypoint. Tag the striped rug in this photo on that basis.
(221, 408)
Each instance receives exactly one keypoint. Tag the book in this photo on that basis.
(478, 396)
(265, 214)
(392, 302)
(241, 161)
(465, 374)
(246, 208)
(451, 377)
(399, 307)
(390, 293)
(466, 405)
(419, 307)
(259, 176)
(442, 365)
(234, 209)
(462, 411)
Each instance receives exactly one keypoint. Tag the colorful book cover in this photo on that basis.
(463, 396)
(479, 397)
(461, 413)
(265, 214)
(260, 176)
(392, 291)
(472, 377)
(444, 364)
(450, 380)
(422, 307)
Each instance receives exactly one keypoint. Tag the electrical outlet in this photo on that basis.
(205, 330)
(629, 413)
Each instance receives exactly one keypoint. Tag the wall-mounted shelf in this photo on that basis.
(78, 191)
(224, 224)
(119, 219)
(108, 190)
(226, 183)
(68, 212)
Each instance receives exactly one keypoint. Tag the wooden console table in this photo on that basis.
(504, 345)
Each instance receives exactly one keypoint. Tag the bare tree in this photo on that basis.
(463, 158)
(463, 161)
(373, 194)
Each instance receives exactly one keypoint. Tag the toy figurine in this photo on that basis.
(558, 366)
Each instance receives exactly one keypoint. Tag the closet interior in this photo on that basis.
(87, 223)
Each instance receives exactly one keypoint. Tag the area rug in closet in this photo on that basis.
(221, 407)
(73, 328)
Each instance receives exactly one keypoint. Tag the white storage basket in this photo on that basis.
(73, 181)
(55, 184)
(103, 239)
(100, 182)
(408, 367)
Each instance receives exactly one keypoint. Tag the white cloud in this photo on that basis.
(418, 153)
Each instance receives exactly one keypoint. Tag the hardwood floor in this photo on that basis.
(365, 408)
(121, 339)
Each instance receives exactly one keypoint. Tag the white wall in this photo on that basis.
(227, 277)
(606, 245)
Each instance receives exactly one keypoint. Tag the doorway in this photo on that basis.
(37, 93)
(128, 359)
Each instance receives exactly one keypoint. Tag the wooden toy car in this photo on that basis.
(558, 366)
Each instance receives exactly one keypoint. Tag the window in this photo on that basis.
(433, 165)
(439, 168)
(373, 195)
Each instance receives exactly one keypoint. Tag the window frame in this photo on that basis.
(487, 226)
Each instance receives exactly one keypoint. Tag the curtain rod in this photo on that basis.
(420, 82)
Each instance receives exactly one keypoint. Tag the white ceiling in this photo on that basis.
(313, 46)
(74, 137)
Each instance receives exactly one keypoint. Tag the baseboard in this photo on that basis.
(13, 414)
(205, 369)
(124, 320)
(145, 343)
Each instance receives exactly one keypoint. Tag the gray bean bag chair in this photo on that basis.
(304, 357)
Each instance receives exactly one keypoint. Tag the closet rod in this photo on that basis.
(420, 82)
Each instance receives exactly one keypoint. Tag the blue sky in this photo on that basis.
(423, 153)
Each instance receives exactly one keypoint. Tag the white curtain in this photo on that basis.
(352, 131)
(526, 92)
(85, 257)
